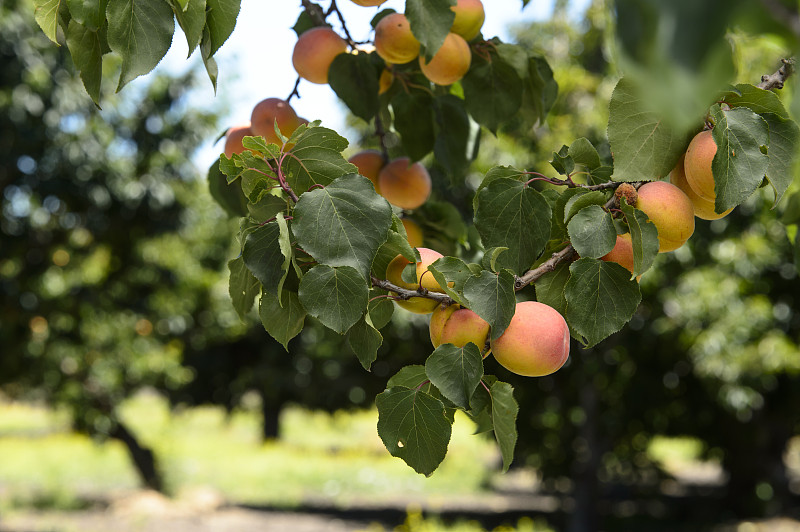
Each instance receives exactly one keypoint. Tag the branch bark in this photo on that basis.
(777, 79)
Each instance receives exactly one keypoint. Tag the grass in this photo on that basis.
(337, 457)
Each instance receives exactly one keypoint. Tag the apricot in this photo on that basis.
(266, 113)
(314, 52)
(622, 253)
(394, 41)
(234, 137)
(385, 81)
(413, 231)
(670, 210)
(697, 165)
(536, 342)
(469, 18)
(703, 209)
(369, 163)
(369, 3)
(403, 184)
(394, 272)
(458, 326)
(450, 63)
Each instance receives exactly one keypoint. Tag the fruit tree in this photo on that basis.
(555, 258)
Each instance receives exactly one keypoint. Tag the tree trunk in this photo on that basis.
(269, 424)
(587, 462)
(143, 458)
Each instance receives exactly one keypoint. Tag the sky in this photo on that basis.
(256, 62)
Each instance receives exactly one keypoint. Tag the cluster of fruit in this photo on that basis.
(673, 206)
(394, 42)
(265, 115)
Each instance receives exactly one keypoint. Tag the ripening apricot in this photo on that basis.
(469, 18)
(536, 342)
(403, 184)
(394, 272)
(670, 210)
(413, 232)
(368, 3)
(234, 137)
(697, 165)
(622, 253)
(394, 41)
(369, 163)
(266, 113)
(703, 209)
(385, 81)
(450, 63)
(314, 52)
(458, 326)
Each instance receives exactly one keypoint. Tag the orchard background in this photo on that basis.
(262, 283)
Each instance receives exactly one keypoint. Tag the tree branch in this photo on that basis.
(531, 276)
(404, 294)
(777, 79)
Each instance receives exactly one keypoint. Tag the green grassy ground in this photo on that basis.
(338, 457)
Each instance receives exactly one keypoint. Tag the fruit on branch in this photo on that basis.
(369, 3)
(314, 52)
(394, 274)
(266, 113)
(369, 163)
(414, 232)
(622, 253)
(385, 81)
(234, 137)
(469, 18)
(394, 41)
(403, 184)
(458, 326)
(697, 165)
(450, 63)
(536, 342)
(703, 209)
(670, 210)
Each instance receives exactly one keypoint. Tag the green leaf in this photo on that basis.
(316, 159)
(430, 22)
(739, 165)
(510, 214)
(364, 340)
(208, 60)
(495, 173)
(283, 319)
(354, 79)
(644, 238)
(411, 376)
(86, 48)
(413, 427)
(644, 146)
(601, 298)
(450, 269)
(492, 91)
(550, 288)
(262, 255)
(578, 201)
(140, 31)
(414, 122)
(337, 297)
(220, 21)
(539, 89)
(380, 311)
(504, 419)
(46, 15)
(243, 287)
(489, 260)
(491, 296)
(344, 223)
(192, 20)
(592, 232)
(784, 145)
(88, 13)
(452, 136)
(229, 196)
(584, 153)
(759, 101)
(456, 371)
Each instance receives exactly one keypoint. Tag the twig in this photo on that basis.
(778, 78)
(315, 12)
(335, 9)
(294, 92)
(380, 132)
(531, 276)
(404, 294)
